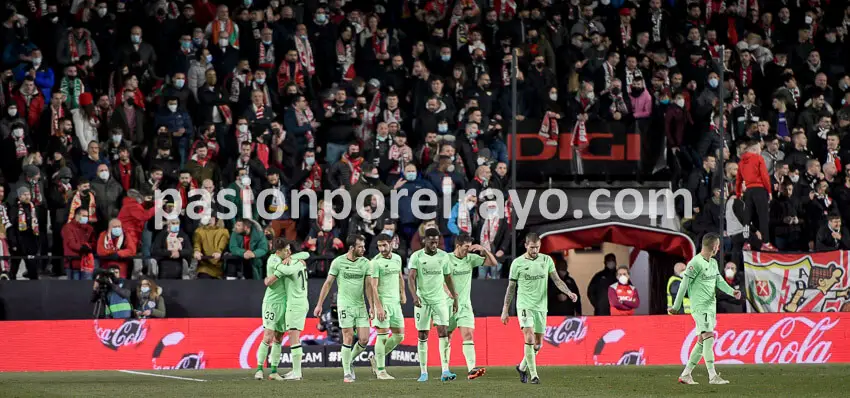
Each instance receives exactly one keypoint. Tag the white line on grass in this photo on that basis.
(133, 372)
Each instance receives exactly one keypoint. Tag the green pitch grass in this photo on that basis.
(609, 381)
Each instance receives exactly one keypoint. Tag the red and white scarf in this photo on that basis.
(57, 115)
(489, 229)
(22, 218)
(714, 50)
(397, 155)
(229, 29)
(355, 166)
(266, 56)
(35, 188)
(113, 244)
(580, 140)
(609, 74)
(305, 55)
(464, 222)
(393, 115)
(506, 74)
(618, 104)
(370, 117)
(505, 8)
(379, 46)
(314, 180)
(656, 18)
(304, 118)
(77, 202)
(184, 192)
(833, 157)
(72, 44)
(549, 128)
(21, 150)
(626, 33)
(345, 58)
(746, 75)
(284, 75)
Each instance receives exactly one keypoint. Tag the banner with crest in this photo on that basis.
(798, 282)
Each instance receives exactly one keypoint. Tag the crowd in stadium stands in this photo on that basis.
(105, 102)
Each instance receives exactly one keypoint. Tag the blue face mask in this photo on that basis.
(197, 41)
(665, 101)
(387, 232)
(248, 2)
(117, 231)
(186, 44)
(713, 83)
(179, 83)
(260, 81)
(145, 289)
(136, 39)
(446, 58)
(410, 175)
(321, 18)
(84, 220)
(443, 128)
(174, 228)
(209, 57)
(268, 43)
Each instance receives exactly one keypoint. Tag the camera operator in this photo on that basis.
(109, 295)
(329, 322)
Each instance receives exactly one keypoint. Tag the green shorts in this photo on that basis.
(353, 317)
(439, 313)
(296, 315)
(274, 316)
(705, 321)
(394, 318)
(463, 318)
(532, 319)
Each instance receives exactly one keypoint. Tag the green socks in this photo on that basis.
(381, 351)
(523, 365)
(696, 354)
(708, 354)
(262, 354)
(445, 352)
(275, 358)
(346, 359)
(469, 354)
(393, 342)
(297, 354)
(530, 361)
(422, 348)
(356, 351)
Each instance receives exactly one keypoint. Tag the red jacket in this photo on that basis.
(623, 299)
(133, 216)
(752, 171)
(75, 235)
(31, 113)
(124, 248)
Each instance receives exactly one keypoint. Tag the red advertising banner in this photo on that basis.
(226, 343)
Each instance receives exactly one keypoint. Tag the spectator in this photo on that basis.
(727, 304)
(78, 237)
(210, 242)
(91, 162)
(149, 302)
(493, 231)
(832, 235)
(107, 194)
(179, 126)
(752, 174)
(772, 154)
(170, 248)
(77, 44)
(370, 179)
(247, 246)
(30, 102)
(673, 285)
(559, 303)
(347, 171)
(116, 248)
(597, 290)
(622, 295)
(24, 233)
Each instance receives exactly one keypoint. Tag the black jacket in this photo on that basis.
(597, 291)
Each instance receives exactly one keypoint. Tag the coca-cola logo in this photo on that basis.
(795, 339)
(188, 361)
(571, 329)
(131, 332)
(632, 358)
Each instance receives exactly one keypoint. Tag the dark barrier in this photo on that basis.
(60, 299)
(614, 152)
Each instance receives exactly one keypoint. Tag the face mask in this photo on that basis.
(18, 133)
(243, 128)
(310, 161)
(382, 138)
(260, 81)
(205, 220)
(117, 138)
(209, 57)
(443, 128)
(117, 231)
(387, 232)
(247, 2)
(84, 220)
(729, 273)
(172, 108)
(470, 206)
(359, 90)
(808, 20)
(321, 18)
(481, 161)
(623, 279)
(590, 95)
(186, 44)
(136, 39)
(680, 102)
(145, 289)
(794, 178)
(410, 175)
(553, 97)
(104, 175)
(223, 43)
(179, 83)
(713, 82)
(445, 58)
(197, 40)
(101, 12)
(665, 101)
(174, 228)
(246, 181)
(36, 61)
(451, 168)
(12, 111)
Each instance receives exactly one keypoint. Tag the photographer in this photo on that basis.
(148, 300)
(109, 295)
(329, 322)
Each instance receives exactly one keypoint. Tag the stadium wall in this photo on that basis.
(216, 343)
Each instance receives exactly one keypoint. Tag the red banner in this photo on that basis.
(231, 343)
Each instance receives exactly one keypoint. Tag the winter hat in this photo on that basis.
(22, 190)
(30, 171)
(85, 99)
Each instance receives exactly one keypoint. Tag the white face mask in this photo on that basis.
(623, 279)
(794, 178)
(12, 111)
(553, 96)
(101, 12)
(18, 133)
(359, 90)
(205, 220)
(104, 175)
(223, 43)
(729, 273)
(117, 137)
(680, 102)
(481, 161)
(246, 181)
(243, 128)
(36, 61)
(172, 108)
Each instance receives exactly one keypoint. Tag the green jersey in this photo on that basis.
(387, 271)
(294, 275)
(462, 274)
(532, 277)
(702, 279)
(350, 280)
(430, 271)
(276, 292)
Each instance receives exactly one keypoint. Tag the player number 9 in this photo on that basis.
(417, 316)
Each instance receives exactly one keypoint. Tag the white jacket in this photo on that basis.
(86, 131)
